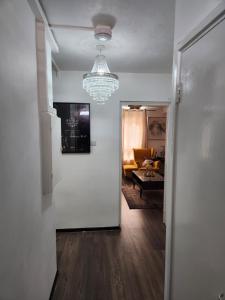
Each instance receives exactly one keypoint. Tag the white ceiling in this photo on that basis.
(142, 39)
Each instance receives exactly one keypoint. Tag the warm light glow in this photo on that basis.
(133, 132)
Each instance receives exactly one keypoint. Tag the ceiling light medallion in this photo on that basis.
(100, 84)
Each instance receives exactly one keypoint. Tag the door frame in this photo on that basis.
(167, 154)
(215, 17)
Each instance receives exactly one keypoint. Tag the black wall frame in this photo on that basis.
(75, 126)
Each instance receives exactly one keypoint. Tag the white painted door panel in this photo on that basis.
(198, 270)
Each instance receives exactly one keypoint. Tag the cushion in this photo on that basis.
(130, 167)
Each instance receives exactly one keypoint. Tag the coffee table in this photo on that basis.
(147, 183)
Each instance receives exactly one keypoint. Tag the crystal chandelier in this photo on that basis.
(100, 84)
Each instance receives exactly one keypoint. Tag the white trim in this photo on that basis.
(213, 19)
(39, 14)
(145, 103)
(72, 27)
(207, 24)
(56, 67)
(170, 170)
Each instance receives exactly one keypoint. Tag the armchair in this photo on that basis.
(139, 157)
(149, 153)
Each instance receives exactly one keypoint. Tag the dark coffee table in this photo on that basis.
(147, 183)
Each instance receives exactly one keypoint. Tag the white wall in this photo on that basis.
(133, 87)
(188, 15)
(27, 252)
(88, 195)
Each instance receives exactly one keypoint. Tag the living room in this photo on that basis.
(143, 155)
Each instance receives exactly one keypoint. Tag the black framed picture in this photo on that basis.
(75, 126)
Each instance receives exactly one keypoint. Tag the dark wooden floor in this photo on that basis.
(113, 265)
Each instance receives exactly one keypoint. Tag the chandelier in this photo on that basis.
(100, 84)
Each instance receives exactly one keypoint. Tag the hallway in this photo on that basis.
(61, 153)
(128, 264)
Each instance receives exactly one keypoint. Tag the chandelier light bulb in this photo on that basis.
(103, 33)
(100, 83)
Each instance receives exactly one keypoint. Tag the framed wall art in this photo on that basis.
(156, 128)
(75, 126)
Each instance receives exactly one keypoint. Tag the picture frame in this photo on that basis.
(156, 128)
(75, 126)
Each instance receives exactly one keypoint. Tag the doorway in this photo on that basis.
(143, 160)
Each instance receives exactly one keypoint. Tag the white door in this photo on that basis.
(198, 264)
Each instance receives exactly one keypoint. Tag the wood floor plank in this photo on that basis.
(114, 265)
